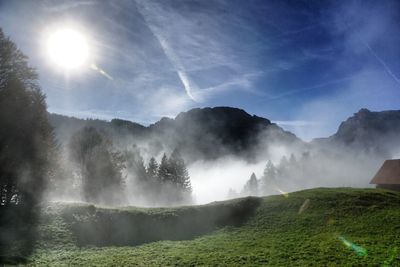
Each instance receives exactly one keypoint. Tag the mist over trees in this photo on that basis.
(164, 183)
(99, 165)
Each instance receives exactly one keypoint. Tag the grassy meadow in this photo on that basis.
(318, 227)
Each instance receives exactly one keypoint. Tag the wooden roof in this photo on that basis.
(389, 173)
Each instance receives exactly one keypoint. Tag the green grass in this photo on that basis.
(338, 227)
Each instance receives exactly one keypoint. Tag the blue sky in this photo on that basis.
(307, 65)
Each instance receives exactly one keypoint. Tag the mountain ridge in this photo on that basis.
(200, 133)
(213, 132)
(368, 131)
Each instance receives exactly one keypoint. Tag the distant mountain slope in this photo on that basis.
(65, 126)
(369, 131)
(206, 133)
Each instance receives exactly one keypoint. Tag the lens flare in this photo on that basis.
(283, 193)
(304, 206)
(101, 71)
(359, 250)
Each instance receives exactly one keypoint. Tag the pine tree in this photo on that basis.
(283, 169)
(154, 183)
(164, 173)
(180, 173)
(292, 161)
(251, 186)
(268, 180)
(152, 168)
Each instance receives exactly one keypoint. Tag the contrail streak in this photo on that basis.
(292, 92)
(169, 53)
(383, 63)
(380, 60)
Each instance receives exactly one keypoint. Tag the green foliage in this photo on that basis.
(27, 145)
(274, 235)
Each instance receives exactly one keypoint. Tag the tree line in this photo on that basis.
(108, 176)
(279, 178)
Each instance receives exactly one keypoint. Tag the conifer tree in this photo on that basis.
(164, 173)
(152, 168)
(180, 173)
(268, 181)
(251, 186)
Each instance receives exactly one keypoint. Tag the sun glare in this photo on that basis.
(67, 48)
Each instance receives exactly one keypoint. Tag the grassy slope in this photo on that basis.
(275, 235)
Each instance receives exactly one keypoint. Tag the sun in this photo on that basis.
(68, 48)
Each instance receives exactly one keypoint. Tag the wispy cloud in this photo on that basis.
(194, 42)
(58, 6)
(242, 82)
(175, 61)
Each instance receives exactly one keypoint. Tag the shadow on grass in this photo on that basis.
(113, 227)
(17, 233)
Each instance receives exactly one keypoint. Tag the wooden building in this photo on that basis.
(388, 176)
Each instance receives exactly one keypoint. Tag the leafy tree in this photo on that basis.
(13, 63)
(100, 166)
(135, 165)
(251, 186)
(27, 145)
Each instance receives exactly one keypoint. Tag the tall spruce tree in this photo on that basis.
(152, 168)
(180, 173)
(164, 171)
(153, 181)
(268, 180)
(251, 186)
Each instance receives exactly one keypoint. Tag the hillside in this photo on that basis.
(201, 133)
(368, 131)
(318, 227)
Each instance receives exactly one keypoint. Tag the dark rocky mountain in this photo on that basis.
(368, 131)
(213, 132)
(206, 133)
